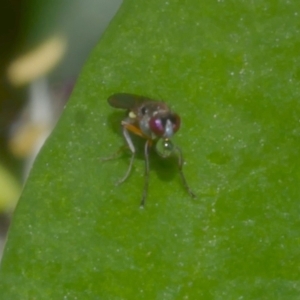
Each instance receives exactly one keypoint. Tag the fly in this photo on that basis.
(153, 121)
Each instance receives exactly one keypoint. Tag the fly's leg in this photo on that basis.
(180, 165)
(115, 155)
(132, 149)
(146, 184)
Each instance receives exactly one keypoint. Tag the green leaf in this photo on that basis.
(231, 69)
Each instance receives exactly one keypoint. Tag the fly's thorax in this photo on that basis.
(144, 125)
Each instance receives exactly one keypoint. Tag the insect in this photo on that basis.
(153, 121)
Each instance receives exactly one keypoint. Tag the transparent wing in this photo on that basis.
(126, 101)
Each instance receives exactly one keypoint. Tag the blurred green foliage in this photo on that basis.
(10, 190)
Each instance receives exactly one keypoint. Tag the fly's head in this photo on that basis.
(157, 121)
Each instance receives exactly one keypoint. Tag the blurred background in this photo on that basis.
(43, 47)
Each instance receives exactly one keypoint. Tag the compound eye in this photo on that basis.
(165, 126)
(176, 122)
(157, 126)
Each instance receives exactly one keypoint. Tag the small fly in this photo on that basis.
(156, 123)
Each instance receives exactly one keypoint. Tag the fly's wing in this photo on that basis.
(126, 101)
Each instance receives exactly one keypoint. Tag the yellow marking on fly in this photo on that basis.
(132, 115)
